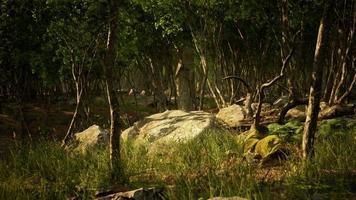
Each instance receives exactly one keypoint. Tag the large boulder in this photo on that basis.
(92, 137)
(297, 113)
(231, 115)
(174, 126)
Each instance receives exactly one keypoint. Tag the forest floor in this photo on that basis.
(52, 120)
(205, 167)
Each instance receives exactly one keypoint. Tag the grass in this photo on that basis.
(207, 166)
(44, 171)
(195, 169)
(332, 172)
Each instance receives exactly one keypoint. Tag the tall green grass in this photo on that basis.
(45, 171)
(210, 165)
(207, 166)
(331, 174)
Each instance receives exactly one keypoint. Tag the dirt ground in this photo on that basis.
(52, 120)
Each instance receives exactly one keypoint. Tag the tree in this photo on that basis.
(108, 66)
(315, 93)
(78, 42)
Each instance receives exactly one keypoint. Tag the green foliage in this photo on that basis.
(290, 132)
(293, 130)
(330, 126)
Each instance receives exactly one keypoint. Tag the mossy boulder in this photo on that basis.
(269, 145)
(262, 146)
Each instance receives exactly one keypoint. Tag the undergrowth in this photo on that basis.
(210, 165)
(43, 170)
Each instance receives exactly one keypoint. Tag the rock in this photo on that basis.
(143, 93)
(265, 107)
(323, 105)
(131, 92)
(228, 198)
(139, 194)
(296, 113)
(337, 111)
(170, 126)
(94, 136)
(231, 115)
(326, 112)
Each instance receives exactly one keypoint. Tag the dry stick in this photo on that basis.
(291, 104)
(344, 62)
(348, 91)
(220, 95)
(330, 74)
(240, 79)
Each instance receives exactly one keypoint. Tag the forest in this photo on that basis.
(177, 99)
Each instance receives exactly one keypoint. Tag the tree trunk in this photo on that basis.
(108, 66)
(184, 80)
(204, 77)
(79, 91)
(158, 86)
(315, 93)
(74, 119)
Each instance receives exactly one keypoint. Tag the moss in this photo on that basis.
(268, 146)
(261, 144)
(253, 136)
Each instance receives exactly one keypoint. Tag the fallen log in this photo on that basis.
(337, 111)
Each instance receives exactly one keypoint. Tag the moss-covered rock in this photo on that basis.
(269, 145)
(260, 145)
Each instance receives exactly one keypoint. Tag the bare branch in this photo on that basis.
(268, 84)
(240, 79)
(348, 91)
